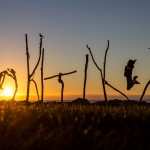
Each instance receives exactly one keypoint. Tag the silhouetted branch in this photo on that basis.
(2, 76)
(36, 88)
(12, 74)
(42, 83)
(103, 84)
(62, 89)
(93, 58)
(85, 75)
(60, 81)
(104, 69)
(144, 91)
(28, 69)
(62, 74)
(38, 59)
(116, 90)
(31, 76)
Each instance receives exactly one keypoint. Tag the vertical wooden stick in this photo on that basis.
(62, 88)
(28, 69)
(104, 71)
(85, 75)
(42, 83)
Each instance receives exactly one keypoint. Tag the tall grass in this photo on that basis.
(69, 126)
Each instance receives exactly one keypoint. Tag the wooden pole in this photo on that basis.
(104, 71)
(42, 83)
(85, 75)
(62, 88)
(28, 69)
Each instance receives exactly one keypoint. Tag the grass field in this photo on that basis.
(74, 126)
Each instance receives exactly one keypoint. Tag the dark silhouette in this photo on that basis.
(12, 74)
(128, 74)
(60, 81)
(62, 84)
(102, 73)
(30, 76)
(42, 81)
(41, 36)
(85, 75)
(2, 78)
(146, 86)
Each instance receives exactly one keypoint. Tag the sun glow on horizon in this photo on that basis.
(7, 92)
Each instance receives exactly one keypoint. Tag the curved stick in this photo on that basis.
(36, 87)
(144, 91)
(116, 90)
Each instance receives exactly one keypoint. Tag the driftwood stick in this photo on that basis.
(3, 75)
(116, 90)
(38, 59)
(42, 83)
(62, 74)
(93, 58)
(12, 74)
(85, 75)
(144, 91)
(104, 69)
(103, 83)
(28, 68)
(36, 87)
(62, 88)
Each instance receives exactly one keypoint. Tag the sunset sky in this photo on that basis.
(67, 26)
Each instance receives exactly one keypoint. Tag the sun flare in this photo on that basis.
(7, 92)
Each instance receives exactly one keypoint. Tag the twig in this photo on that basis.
(93, 58)
(12, 74)
(38, 59)
(36, 88)
(116, 90)
(144, 91)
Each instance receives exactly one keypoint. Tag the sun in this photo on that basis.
(8, 92)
